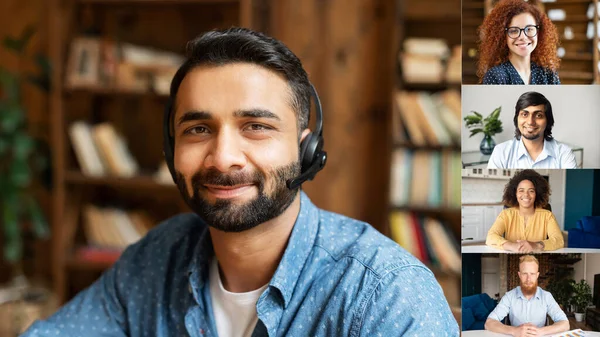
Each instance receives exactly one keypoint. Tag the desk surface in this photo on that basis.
(484, 333)
(488, 249)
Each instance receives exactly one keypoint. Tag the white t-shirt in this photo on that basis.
(235, 313)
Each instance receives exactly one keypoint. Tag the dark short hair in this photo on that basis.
(234, 45)
(541, 185)
(532, 98)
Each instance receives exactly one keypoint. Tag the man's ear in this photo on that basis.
(304, 134)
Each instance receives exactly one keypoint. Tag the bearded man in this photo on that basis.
(527, 306)
(256, 257)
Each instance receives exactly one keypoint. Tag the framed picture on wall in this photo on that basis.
(83, 68)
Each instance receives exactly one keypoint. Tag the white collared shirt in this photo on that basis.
(512, 154)
(521, 310)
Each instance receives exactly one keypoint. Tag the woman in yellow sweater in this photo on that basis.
(526, 226)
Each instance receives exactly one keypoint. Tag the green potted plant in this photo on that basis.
(489, 126)
(561, 290)
(581, 299)
(22, 157)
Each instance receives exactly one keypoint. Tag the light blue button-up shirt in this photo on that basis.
(337, 277)
(512, 154)
(520, 310)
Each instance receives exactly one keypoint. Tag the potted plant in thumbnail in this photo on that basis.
(489, 126)
(582, 297)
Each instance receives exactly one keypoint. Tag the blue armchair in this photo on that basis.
(586, 233)
(475, 310)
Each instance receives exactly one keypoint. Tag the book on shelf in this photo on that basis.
(112, 228)
(425, 179)
(427, 119)
(430, 60)
(102, 151)
(427, 238)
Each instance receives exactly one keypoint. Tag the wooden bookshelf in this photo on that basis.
(427, 19)
(137, 115)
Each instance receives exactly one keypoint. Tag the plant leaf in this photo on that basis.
(475, 131)
(19, 45)
(13, 44)
(38, 220)
(4, 145)
(10, 85)
(12, 231)
(23, 146)
(20, 173)
(45, 71)
(12, 117)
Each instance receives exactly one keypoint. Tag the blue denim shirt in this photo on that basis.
(337, 277)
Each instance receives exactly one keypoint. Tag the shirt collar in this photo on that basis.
(288, 272)
(538, 293)
(547, 151)
(298, 249)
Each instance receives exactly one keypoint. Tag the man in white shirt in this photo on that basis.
(533, 145)
(527, 306)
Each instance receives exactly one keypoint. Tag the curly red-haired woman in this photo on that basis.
(518, 45)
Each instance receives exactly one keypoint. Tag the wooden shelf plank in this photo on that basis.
(566, 2)
(428, 86)
(412, 146)
(580, 57)
(156, 2)
(100, 91)
(573, 19)
(576, 39)
(428, 210)
(473, 5)
(576, 75)
(138, 182)
(79, 264)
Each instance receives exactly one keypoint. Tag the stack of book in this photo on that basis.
(110, 230)
(426, 238)
(429, 60)
(102, 151)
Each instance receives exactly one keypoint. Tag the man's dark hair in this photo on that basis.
(532, 98)
(542, 189)
(233, 45)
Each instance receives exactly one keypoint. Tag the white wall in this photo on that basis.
(576, 110)
(587, 268)
(482, 191)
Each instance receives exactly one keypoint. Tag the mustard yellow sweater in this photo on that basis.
(510, 226)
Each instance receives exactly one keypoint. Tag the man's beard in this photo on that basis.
(531, 136)
(227, 216)
(529, 290)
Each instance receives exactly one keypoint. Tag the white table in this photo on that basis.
(487, 249)
(485, 333)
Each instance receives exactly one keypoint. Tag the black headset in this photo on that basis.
(312, 156)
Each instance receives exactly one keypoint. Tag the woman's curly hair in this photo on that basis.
(542, 189)
(492, 45)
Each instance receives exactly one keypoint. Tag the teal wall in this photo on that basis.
(582, 195)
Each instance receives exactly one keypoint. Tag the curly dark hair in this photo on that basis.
(542, 189)
(492, 45)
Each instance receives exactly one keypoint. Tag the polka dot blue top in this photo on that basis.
(506, 73)
(337, 277)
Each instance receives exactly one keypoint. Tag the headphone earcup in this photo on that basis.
(309, 148)
(307, 151)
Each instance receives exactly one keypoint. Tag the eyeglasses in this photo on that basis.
(515, 32)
